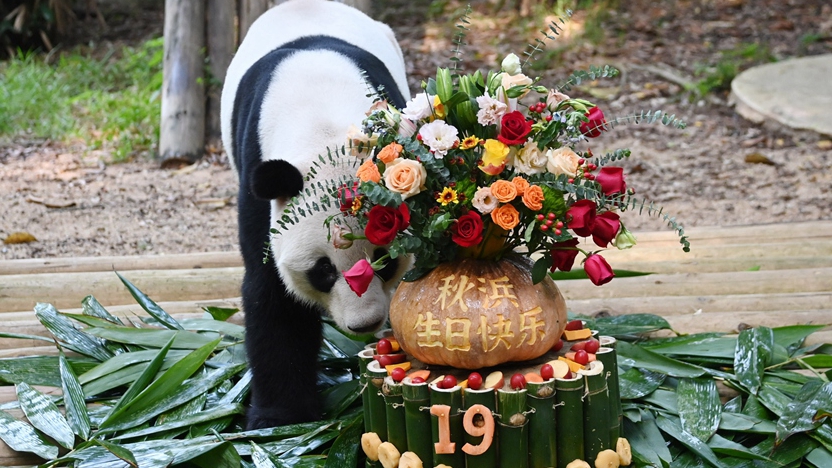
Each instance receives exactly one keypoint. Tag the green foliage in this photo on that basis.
(111, 103)
(718, 76)
(27, 24)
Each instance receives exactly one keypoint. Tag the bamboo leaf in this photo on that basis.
(76, 407)
(122, 361)
(222, 455)
(153, 337)
(22, 437)
(820, 457)
(634, 356)
(799, 415)
(631, 324)
(791, 337)
(71, 337)
(239, 391)
(701, 345)
(23, 336)
(165, 384)
(261, 458)
(664, 399)
(672, 428)
(44, 415)
(339, 397)
(753, 352)
(699, 407)
(220, 313)
(344, 451)
(139, 384)
(225, 328)
(149, 306)
(93, 308)
(738, 422)
(126, 375)
(345, 345)
(119, 451)
(730, 448)
(637, 383)
(214, 413)
(647, 442)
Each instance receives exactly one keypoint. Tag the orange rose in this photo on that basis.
(506, 216)
(405, 176)
(533, 197)
(368, 172)
(521, 184)
(390, 152)
(504, 191)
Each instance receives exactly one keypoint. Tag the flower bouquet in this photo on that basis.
(480, 165)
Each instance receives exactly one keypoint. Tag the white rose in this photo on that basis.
(515, 80)
(511, 64)
(405, 176)
(420, 107)
(530, 160)
(339, 241)
(484, 201)
(562, 161)
(554, 98)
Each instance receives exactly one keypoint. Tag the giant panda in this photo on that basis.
(295, 86)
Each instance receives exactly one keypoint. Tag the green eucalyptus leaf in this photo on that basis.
(70, 336)
(74, 402)
(634, 356)
(22, 437)
(800, 413)
(754, 349)
(637, 383)
(149, 306)
(154, 337)
(673, 428)
(44, 415)
(699, 407)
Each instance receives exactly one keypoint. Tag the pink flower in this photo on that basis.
(598, 270)
(359, 276)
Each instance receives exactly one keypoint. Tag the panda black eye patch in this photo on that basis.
(323, 275)
(390, 267)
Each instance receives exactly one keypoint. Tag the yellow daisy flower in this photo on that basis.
(438, 108)
(469, 142)
(447, 196)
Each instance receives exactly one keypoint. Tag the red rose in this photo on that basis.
(467, 230)
(605, 228)
(593, 127)
(611, 180)
(384, 223)
(581, 216)
(563, 254)
(598, 270)
(514, 128)
(347, 196)
(359, 276)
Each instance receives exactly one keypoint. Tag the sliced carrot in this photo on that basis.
(424, 373)
(533, 377)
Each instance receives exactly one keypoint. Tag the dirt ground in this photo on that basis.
(720, 170)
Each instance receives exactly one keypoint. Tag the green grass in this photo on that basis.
(111, 103)
(718, 77)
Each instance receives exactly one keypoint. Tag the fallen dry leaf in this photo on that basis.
(825, 145)
(19, 238)
(757, 158)
(50, 203)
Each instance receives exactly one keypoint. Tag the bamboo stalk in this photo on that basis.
(365, 357)
(569, 420)
(513, 428)
(417, 419)
(597, 415)
(542, 429)
(453, 399)
(489, 458)
(608, 356)
(378, 410)
(396, 426)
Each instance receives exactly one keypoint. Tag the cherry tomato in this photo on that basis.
(417, 380)
(578, 346)
(575, 325)
(592, 346)
(558, 346)
(448, 382)
(475, 381)
(518, 381)
(547, 372)
(384, 346)
(581, 357)
(398, 374)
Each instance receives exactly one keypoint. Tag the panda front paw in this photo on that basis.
(261, 418)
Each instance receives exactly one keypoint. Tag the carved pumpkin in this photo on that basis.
(472, 313)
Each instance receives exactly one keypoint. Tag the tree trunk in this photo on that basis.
(183, 94)
(250, 10)
(221, 40)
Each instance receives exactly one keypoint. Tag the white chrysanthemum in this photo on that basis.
(418, 108)
(530, 160)
(439, 136)
(484, 201)
(491, 110)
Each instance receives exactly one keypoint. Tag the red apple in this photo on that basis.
(558, 346)
(592, 346)
(547, 372)
(384, 346)
(518, 381)
(448, 382)
(568, 375)
(386, 359)
(398, 374)
(581, 357)
(575, 325)
(578, 346)
(474, 381)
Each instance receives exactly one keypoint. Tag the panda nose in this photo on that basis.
(366, 329)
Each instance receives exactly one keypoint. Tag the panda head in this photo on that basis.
(312, 267)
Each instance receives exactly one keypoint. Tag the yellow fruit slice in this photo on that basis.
(577, 335)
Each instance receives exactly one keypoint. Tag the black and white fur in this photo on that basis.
(293, 89)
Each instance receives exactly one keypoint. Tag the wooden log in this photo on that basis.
(707, 284)
(121, 264)
(731, 322)
(801, 249)
(714, 265)
(758, 234)
(31, 351)
(250, 10)
(67, 290)
(182, 134)
(681, 305)
(221, 40)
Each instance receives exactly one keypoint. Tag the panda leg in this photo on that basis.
(283, 339)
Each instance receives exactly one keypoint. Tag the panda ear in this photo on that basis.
(275, 179)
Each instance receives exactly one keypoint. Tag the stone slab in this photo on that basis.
(795, 92)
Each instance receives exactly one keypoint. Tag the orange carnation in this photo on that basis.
(506, 216)
(533, 197)
(521, 184)
(504, 191)
(390, 152)
(368, 172)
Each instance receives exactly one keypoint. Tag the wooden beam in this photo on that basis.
(182, 134)
(121, 264)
